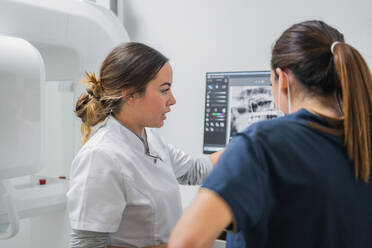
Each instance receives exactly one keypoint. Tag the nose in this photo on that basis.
(172, 99)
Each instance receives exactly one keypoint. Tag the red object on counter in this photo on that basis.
(42, 181)
(62, 177)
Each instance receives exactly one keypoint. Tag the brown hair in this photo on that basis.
(305, 49)
(130, 66)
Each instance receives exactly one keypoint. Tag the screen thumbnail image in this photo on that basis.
(249, 104)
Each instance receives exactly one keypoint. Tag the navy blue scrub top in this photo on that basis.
(289, 183)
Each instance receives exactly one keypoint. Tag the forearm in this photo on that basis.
(196, 174)
(208, 215)
(215, 156)
(200, 170)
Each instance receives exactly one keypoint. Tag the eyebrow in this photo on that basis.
(166, 84)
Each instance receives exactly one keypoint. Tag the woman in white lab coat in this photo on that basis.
(124, 188)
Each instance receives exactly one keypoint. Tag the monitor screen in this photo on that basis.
(233, 101)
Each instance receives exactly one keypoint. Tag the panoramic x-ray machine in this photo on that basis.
(42, 42)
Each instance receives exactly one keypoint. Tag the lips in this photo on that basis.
(164, 115)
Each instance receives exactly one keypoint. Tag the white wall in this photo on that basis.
(228, 35)
(221, 35)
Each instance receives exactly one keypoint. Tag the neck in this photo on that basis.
(128, 122)
(325, 105)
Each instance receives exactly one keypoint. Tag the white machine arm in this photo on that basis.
(72, 36)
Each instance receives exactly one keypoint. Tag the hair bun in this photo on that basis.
(94, 85)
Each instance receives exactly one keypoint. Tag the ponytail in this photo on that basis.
(356, 87)
(85, 130)
(89, 107)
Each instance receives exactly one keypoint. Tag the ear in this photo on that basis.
(283, 79)
(127, 96)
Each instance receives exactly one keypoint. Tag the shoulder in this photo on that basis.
(98, 154)
(103, 139)
(93, 159)
(107, 142)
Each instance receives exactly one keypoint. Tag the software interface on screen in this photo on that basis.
(233, 101)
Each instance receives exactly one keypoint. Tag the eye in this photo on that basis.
(164, 90)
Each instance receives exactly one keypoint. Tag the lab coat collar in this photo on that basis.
(125, 134)
(151, 149)
(142, 144)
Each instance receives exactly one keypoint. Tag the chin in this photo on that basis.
(157, 125)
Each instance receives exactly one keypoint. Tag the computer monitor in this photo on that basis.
(233, 101)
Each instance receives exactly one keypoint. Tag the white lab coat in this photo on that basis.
(115, 187)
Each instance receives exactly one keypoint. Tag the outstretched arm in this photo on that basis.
(202, 222)
(215, 156)
(188, 170)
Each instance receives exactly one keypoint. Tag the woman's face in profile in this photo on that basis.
(155, 103)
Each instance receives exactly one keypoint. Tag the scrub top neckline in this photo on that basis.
(326, 124)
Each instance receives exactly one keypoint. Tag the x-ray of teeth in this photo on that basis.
(249, 104)
(234, 100)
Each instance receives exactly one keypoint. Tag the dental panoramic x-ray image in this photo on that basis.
(249, 104)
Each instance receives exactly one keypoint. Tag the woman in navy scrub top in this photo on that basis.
(303, 179)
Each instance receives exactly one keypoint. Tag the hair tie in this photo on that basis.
(333, 46)
(90, 93)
